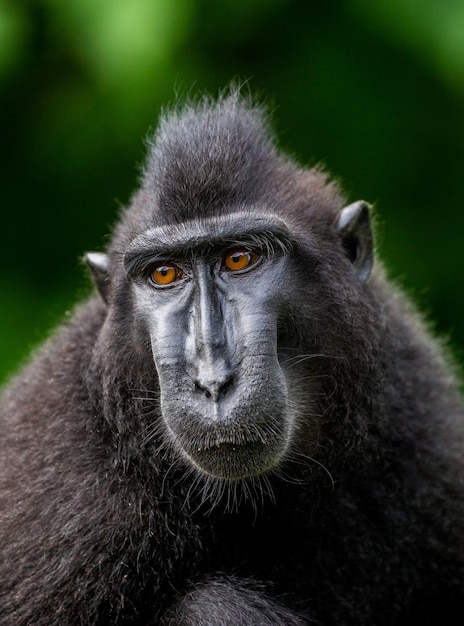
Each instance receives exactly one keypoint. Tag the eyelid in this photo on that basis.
(240, 259)
(253, 257)
(168, 274)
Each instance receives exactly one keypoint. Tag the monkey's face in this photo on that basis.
(210, 297)
(210, 302)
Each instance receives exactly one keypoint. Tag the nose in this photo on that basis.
(212, 338)
(213, 379)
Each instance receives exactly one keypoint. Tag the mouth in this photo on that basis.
(235, 458)
(244, 434)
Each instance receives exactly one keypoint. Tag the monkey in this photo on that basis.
(246, 423)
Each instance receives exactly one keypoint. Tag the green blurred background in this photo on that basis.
(374, 90)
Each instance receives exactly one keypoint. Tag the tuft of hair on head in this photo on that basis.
(209, 153)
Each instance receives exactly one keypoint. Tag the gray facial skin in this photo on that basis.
(213, 333)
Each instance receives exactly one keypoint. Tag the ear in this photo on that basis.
(354, 227)
(99, 264)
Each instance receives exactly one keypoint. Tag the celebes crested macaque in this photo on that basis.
(246, 424)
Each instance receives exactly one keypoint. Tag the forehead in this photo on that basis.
(209, 232)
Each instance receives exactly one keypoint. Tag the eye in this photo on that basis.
(166, 274)
(239, 259)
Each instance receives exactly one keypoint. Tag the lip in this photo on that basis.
(230, 460)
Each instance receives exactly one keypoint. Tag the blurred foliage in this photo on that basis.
(373, 90)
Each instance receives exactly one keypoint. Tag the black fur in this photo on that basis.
(102, 522)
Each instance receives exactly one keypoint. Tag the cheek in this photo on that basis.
(167, 333)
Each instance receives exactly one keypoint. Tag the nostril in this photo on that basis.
(226, 385)
(214, 389)
(201, 387)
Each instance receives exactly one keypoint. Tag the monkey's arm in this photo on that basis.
(229, 602)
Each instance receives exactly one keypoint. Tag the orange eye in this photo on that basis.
(237, 260)
(165, 274)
